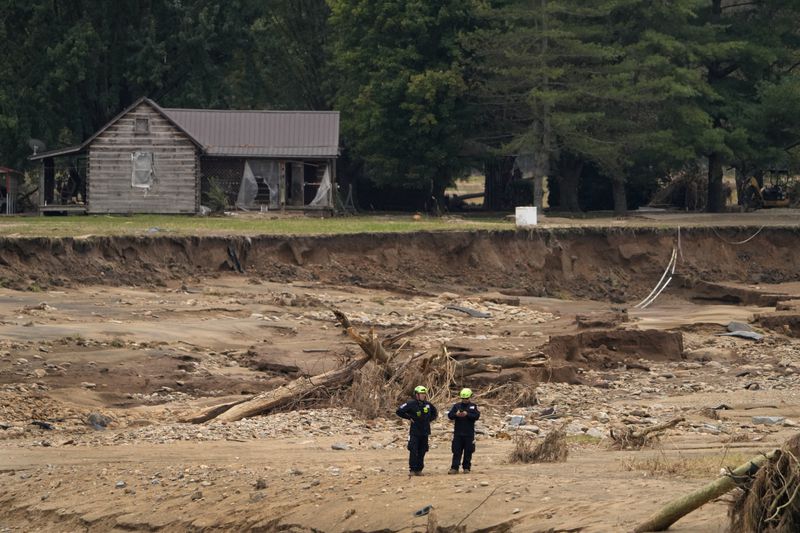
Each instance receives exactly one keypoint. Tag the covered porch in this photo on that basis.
(62, 181)
(266, 184)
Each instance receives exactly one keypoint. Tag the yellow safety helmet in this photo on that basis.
(465, 393)
(419, 389)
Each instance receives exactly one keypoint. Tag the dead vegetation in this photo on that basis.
(553, 449)
(373, 383)
(511, 395)
(663, 464)
(769, 501)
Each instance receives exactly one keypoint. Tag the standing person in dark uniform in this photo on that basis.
(464, 413)
(421, 413)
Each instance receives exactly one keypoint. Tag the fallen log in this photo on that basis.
(680, 507)
(389, 341)
(372, 347)
(292, 391)
(494, 364)
(631, 438)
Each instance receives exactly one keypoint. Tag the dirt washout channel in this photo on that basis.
(604, 264)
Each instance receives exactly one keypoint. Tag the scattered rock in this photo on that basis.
(768, 420)
(97, 421)
(596, 433)
(516, 421)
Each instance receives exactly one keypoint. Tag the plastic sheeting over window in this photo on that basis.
(261, 182)
(259, 175)
(143, 170)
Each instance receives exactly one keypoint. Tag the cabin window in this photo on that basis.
(143, 170)
(142, 125)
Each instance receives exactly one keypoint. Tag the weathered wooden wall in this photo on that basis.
(176, 187)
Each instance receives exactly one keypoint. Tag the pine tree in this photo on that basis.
(400, 73)
(749, 53)
(592, 82)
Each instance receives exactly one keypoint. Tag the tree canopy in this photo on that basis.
(633, 90)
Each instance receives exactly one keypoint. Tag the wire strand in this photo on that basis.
(751, 237)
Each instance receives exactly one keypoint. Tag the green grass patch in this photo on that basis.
(240, 224)
(703, 466)
(583, 439)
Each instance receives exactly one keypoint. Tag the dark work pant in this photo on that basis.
(417, 447)
(462, 444)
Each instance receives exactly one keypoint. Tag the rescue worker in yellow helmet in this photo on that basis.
(464, 414)
(421, 412)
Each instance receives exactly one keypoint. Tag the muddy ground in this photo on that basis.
(106, 344)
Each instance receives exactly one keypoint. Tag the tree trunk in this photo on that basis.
(372, 347)
(715, 202)
(620, 199)
(677, 509)
(538, 191)
(499, 173)
(285, 395)
(292, 392)
(543, 159)
(494, 365)
(741, 181)
(435, 202)
(570, 172)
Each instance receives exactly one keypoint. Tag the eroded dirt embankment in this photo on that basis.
(602, 263)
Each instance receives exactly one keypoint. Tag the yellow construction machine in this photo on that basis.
(774, 192)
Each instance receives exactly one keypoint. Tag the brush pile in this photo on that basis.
(553, 449)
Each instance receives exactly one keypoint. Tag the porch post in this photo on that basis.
(48, 182)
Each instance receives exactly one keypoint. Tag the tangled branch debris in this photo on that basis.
(769, 502)
(375, 388)
(627, 437)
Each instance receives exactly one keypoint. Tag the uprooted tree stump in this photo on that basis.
(770, 500)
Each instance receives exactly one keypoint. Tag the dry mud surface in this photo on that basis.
(134, 334)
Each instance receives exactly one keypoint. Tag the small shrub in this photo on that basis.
(215, 197)
(553, 449)
(34, 287)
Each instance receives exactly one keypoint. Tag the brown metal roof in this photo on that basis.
(300, 134)
(81, 147)
(261, 133)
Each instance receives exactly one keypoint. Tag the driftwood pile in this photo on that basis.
(439, 371)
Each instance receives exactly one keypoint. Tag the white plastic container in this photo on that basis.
(526, 216)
